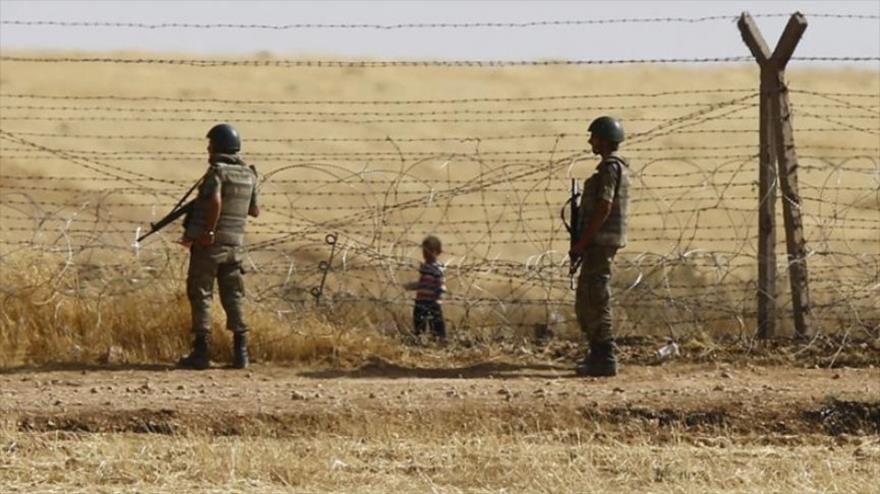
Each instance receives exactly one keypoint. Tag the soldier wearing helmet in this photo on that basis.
(603, 231)
(214, 232)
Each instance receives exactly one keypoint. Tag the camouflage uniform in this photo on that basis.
(221, 260)
(610, 182)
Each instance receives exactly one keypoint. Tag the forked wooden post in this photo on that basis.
(766, 184)
(777, 137)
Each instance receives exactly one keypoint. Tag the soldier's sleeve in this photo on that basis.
(211, 183)
(608, 177)
(254, 202)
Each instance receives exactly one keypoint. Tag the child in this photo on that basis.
(428, 312)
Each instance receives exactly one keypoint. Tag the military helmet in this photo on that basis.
(607, 128)
(224, 139)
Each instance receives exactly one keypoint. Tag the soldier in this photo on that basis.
(603, 232)
(214, 233)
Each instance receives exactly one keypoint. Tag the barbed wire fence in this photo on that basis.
(486, 174)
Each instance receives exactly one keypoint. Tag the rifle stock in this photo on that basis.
(168, 219)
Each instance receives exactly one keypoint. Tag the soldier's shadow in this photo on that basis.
(379, 368)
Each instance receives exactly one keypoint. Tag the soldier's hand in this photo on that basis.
(205, 239)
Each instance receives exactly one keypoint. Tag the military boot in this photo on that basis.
(587, 363)
(240, 359)
(198, 358)
(601, 362)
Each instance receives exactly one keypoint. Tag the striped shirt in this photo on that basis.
(432, 282)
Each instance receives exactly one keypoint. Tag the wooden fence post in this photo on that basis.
(786, 156)
(766, 183)
(777, 133)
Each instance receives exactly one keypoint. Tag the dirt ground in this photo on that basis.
(489, 427)
(740, 399)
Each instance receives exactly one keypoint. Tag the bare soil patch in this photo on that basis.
(497, 397)
(490, 426)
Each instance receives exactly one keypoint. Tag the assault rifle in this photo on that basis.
(169, 218)
(175, 213)
(573, 227)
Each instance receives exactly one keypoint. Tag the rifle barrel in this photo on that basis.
(169, 218)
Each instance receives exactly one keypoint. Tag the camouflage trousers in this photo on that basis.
(223, 263)
(593, 297)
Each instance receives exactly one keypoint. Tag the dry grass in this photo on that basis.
(68, 306)
(437, 461)
(40, 325)
(63, 309)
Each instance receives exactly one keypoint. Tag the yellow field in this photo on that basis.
(479, 156)
(340, 401)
